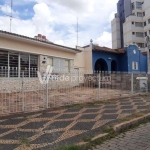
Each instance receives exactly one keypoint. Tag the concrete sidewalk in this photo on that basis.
(136, 139)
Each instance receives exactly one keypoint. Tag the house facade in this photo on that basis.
(24, 56)
(128, 59)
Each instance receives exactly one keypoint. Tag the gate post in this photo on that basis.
(99, 86)
(132, 83)
(23, 103)
(47, 95)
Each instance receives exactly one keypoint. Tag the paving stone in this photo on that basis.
(8, 146)
(73, 110)
(67, 116)
(127, 107)
(142, 107)
(48, 115)
(91, 110)
(83, 126)
(138, 101)
(17, 135)
(34, 125)
(128, 111)
(88, 116)
(142, 103)
(47, 138)
(110, 116)
(125, 103)
(132, 140)
(3, 130)
(110, 111)
(12, 121)
(110, 106)
(58, 124)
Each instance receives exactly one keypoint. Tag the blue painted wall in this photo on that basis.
(137, 57)
(124, 61)
(105, 55)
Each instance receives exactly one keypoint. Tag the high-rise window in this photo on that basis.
(139, 14)
(139, 24)
(148, 21)
(145, 34)
(143, 13)
(145, 23)
(141, 45)
(139, 34)
(133, 6)
(138, 5)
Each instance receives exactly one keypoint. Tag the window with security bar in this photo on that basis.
(33, 65)
(134, 65)
(18, 64)
(3, 63)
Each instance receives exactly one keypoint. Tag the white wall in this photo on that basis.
(115, 27)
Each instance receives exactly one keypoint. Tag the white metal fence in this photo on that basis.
(28, 94)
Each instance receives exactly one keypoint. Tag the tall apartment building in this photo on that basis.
(131, 23)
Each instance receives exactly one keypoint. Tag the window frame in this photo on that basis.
(135, 65)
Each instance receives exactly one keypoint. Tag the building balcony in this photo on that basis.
(134, 18)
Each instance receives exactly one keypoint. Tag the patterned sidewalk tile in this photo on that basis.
(52, 129)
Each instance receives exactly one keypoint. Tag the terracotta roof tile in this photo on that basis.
(106, 49)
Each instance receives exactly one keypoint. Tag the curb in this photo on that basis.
(94, 138)
(127, 124)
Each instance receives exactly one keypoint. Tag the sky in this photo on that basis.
(57, 20)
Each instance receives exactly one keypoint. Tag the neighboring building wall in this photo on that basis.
(127, 8)
(115, 27)
(79, 62)
(88, 57)
(120, 10)
(131, 15)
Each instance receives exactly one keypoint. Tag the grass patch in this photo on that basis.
(135, 115)
(125, 119)
(25, 141)
(108, 129)
(89, 104)
(87, 139)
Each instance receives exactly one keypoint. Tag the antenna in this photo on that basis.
(77, 31)
(11, 14)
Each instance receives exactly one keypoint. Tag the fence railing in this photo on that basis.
(28, 94)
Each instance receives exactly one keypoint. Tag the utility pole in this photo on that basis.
(11, 14)
(77, 31)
